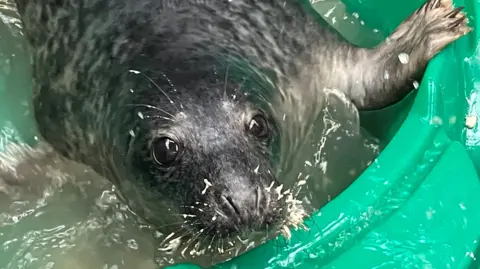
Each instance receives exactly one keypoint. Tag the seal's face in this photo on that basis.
(213, 163)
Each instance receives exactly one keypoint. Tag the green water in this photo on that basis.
(16, 119)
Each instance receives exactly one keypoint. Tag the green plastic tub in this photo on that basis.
(416, 206)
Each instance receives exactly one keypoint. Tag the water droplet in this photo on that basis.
(134, 71)
(437, 120)
(471, 121)
(416, 85)
(386, 75)
(131, 243)
(452, 120)
(404, 58)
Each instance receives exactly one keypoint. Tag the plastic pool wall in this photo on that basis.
(416, 206)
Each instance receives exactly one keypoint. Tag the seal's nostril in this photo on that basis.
(229, 201)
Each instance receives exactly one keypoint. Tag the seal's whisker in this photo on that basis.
(192, 207)
(172, 85)
(201, 242)
(217, 244)
(220, 213)
(191, 240)
(159, 88)
(240, 86)
(171, 237)
(226, 81)
(172, 224)
(195, 239)
(157, 117)
(258, 198)
(153, 107)
(213, 242)
(185, 215)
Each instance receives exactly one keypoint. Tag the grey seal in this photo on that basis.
(195, 110)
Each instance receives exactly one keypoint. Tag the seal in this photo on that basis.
(198, 109)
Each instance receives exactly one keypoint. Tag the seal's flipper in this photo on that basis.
(26, 170)
(390, 70)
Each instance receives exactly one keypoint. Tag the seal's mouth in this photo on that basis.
(202, 236)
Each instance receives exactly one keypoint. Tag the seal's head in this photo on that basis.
(203, 151)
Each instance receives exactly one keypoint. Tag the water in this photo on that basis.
(70, 219)
(63, 215)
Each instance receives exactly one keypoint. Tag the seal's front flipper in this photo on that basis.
(391, 69)
(27, 171)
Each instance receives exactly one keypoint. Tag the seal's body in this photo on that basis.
(194, 108)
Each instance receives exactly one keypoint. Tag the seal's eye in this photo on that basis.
(165, 150)
(258, 126)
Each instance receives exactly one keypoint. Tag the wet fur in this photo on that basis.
(112, 75)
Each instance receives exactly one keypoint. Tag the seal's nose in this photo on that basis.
(240, 206)
(243, 208)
